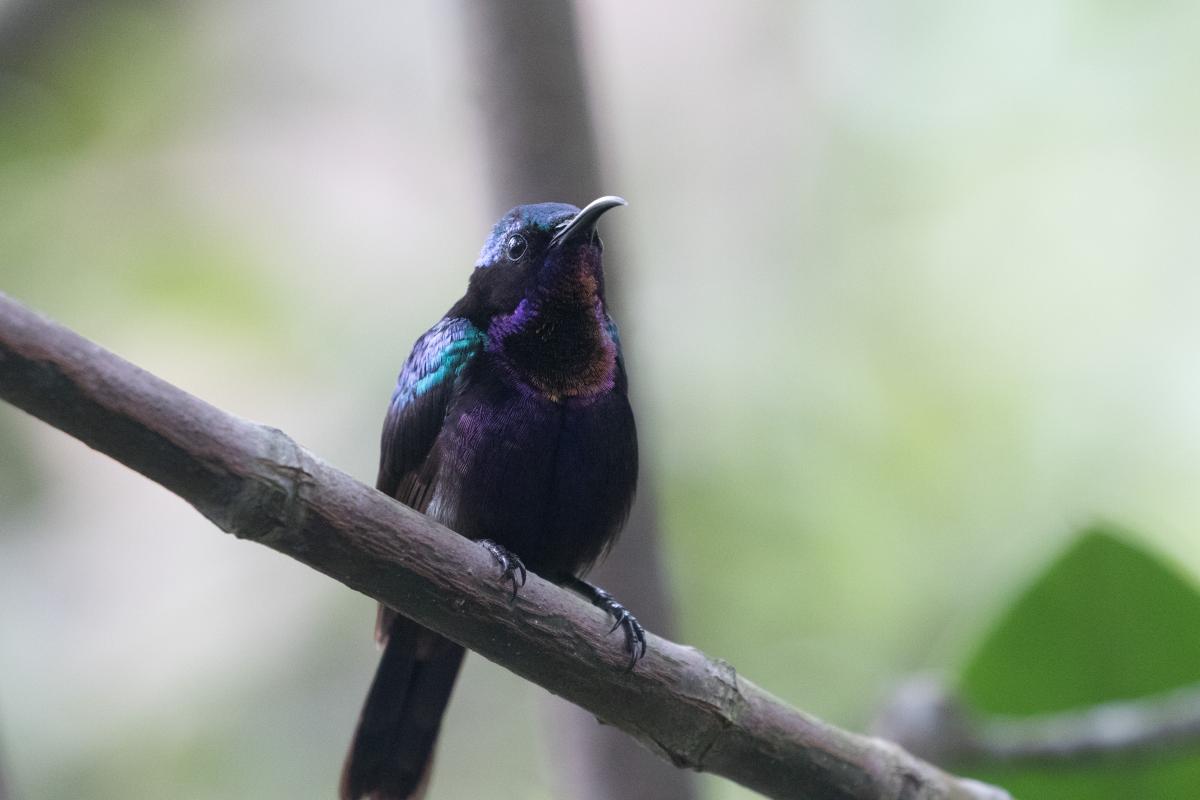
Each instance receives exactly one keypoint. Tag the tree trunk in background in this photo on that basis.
(29, 26)
(536, 124)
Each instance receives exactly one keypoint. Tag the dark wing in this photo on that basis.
(415, 416)
(418, 408)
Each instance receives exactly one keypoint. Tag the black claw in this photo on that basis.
(510, 564)
(635, 640)
(635, 634)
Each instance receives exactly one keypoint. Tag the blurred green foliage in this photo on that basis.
(1105, 621)
(914, 290)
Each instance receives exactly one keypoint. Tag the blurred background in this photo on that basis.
(914, 294)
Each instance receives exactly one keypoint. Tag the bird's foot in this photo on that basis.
(635, 634)
(510, 565)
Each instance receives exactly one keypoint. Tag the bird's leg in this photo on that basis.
(510, 564)
(635, 634)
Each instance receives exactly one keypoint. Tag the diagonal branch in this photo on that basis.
(257, 483)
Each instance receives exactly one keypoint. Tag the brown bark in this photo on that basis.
(257, 483)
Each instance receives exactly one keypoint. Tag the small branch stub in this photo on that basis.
(926, 718)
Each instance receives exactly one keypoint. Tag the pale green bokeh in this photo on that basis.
(914, 297)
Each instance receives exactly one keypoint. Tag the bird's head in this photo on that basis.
(538, 251)
(538, 292)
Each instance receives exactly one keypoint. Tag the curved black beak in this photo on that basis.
(583, 223)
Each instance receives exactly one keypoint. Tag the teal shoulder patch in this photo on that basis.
(441, 354)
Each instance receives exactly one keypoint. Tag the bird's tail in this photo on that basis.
(392, 750)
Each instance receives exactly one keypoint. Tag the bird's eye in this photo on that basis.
(515, 247)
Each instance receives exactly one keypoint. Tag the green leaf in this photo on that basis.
(1106, 621)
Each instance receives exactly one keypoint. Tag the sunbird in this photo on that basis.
(510, 424)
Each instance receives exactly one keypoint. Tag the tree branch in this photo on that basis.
(257, 483)
(926, 718)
